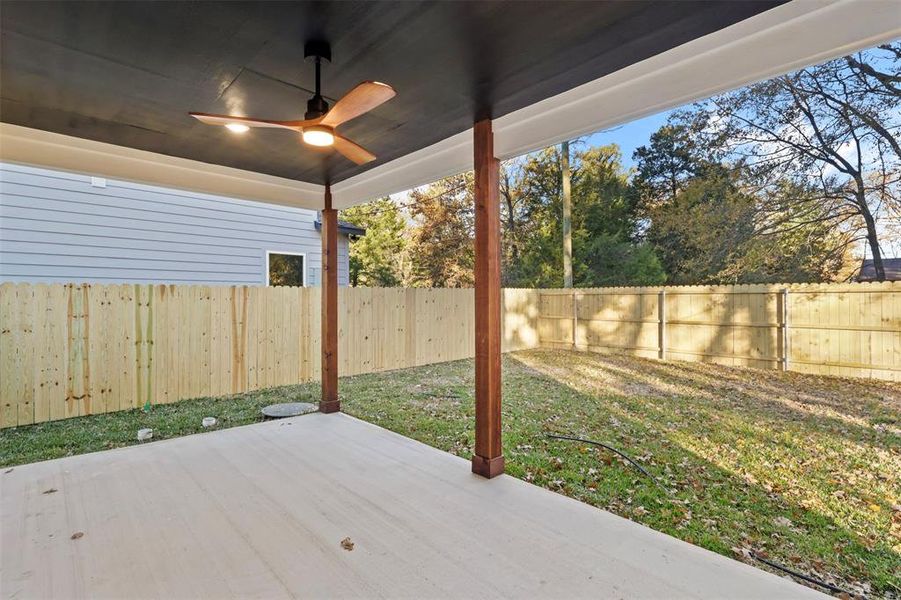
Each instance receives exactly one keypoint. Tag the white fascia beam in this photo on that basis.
(778, 41)
(35, 147)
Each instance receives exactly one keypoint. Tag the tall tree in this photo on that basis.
(606, 224)
(603, 219)
(530, 215)
(837, 124)
(803, 250)
(376, 259)
(712, 227)
(442, 238)
(670, 159)
(703, 229)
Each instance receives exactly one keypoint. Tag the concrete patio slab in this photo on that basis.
(260, 511)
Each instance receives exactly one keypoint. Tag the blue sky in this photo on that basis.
(629, 136)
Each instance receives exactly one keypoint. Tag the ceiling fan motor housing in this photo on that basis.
(316, 107)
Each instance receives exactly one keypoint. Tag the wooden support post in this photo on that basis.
(488, 459)
(329, 402)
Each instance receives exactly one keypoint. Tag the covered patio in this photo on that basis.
(259, 511)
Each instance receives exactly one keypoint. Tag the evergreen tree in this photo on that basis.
(376, 258)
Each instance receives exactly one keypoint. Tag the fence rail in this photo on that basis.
(76, 349)
(833, 329)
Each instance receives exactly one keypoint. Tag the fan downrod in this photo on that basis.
(317, 51)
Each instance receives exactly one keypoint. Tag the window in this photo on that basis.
(286, 268)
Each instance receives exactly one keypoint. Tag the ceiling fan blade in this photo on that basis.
(357, 101)
(353, 151)
(251, 122)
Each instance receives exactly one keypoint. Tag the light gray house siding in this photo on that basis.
(57, 226)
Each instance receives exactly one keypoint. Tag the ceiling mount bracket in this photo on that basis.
(314, 49)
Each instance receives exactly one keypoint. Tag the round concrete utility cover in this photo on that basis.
(288, 409)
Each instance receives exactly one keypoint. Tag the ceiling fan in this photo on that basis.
(318, 125)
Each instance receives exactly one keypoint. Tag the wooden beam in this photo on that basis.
(488, 459)
(329, 402)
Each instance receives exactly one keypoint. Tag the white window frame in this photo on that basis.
(306, 266)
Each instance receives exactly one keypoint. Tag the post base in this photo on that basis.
(330, 407)
(487, 467)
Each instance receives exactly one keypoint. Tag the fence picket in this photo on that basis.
(73, 349)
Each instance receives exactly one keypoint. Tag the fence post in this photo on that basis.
(784, 329)
(661, 324)
(575, 308)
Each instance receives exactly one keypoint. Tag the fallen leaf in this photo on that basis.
(50, 491)
(77, 535)
(782, 521)
(347, 544)
(875, 507)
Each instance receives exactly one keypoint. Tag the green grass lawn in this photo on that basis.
(802, 470)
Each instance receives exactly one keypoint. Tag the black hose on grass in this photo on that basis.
(794, 573)
(611, 449)
(777, 566)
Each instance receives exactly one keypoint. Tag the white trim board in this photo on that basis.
(788, 37)
(23, 145)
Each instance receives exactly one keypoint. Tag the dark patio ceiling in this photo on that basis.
(127, 73)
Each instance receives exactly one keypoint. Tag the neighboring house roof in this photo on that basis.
(892, 268)
(344, 227)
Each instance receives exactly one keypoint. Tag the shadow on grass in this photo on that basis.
(832, 404)
(738, 476)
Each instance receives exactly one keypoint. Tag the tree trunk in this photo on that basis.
(872, 237)
(511, 233)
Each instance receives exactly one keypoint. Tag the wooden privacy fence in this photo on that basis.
(70, 350)
(831, 329)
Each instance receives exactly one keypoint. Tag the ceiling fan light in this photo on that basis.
(237, 127)
(318, 135)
